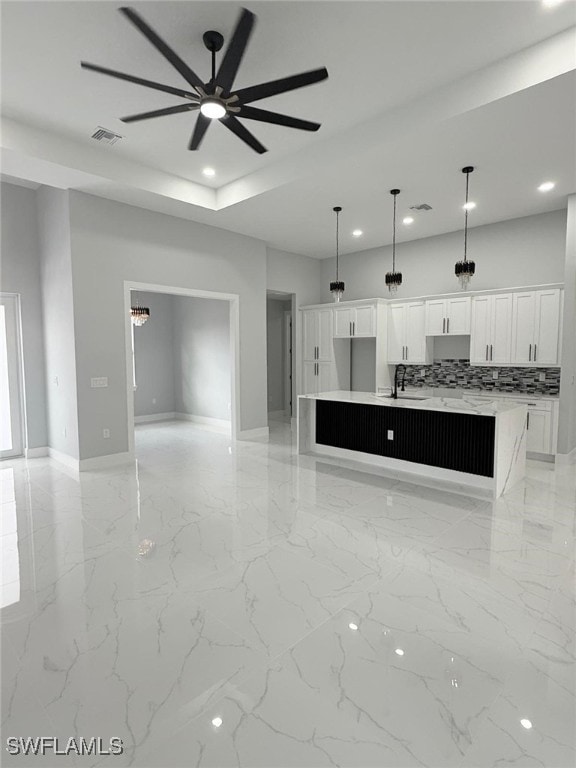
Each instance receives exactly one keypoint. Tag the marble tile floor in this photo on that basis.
(226, 605)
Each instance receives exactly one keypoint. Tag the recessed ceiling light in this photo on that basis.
(217, 722)
(353, 626)
(546, 186)
(209, 172)
(357, 233)
(408, 220)
(399, 652)
(526, 724)
(551, 3)
(469, 206)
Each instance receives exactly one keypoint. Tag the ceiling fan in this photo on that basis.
(216, 99)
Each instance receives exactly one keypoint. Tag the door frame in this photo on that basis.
(15, 376)
(234, 301)
(288, 352)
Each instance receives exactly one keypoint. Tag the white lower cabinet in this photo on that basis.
(539, 431)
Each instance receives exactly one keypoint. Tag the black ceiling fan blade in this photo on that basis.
(160, 113)
(188, 75)
(252, 113)
(140, 81)
(243, 133)
(263, 90)
(200, 129)
(235, 51)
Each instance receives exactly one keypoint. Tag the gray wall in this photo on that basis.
(60, 344)
(154, 355)
(113, 243)
(202, 375)
(276, 349)
(527, 251)
(20, 274)
(567, 415)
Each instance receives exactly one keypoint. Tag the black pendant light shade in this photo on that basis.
(394, 279)
(465, 269)
(337, 286)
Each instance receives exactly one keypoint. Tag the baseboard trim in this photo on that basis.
(566, 458)
(151, 417)
(277, 414)
(222, 425)
(250, 434)
(103, 462)
(36, 453)
(63, 458)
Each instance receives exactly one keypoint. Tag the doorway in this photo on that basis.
(11, 379)
(280, 359)
(173, 360)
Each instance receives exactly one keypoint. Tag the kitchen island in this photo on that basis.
(465, 441)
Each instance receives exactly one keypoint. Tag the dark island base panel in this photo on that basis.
(457, 441)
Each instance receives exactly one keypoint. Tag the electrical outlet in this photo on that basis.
(542, 376)
(389, 501)
(99, 381)
(390, 434)
(56, 380)
(106, 433)
(153, 401)
(494, 375)
(423, 372)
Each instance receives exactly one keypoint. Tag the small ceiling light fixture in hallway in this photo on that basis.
(394, 279)
(546, 186)
(210, 172)
(337, 286)
(357, 233)
(465, 269)
(408, 220)
(139, 315)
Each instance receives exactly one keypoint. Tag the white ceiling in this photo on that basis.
(383, 58)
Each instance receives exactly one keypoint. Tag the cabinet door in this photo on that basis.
(364, 322)
(547, 323)
(325, 378)
(415, 336)
(343, 322)
(538, 432)
(501, 333)
(325, 334)
(309, 333)
(458, 316)
(310, 380)
(396, 333)
(435, 317)
(523, 312)
(480, 330)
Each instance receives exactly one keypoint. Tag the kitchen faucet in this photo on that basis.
(396, 370)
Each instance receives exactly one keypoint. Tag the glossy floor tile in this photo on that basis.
(236, 604)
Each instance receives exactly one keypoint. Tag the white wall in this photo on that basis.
(527, 251)
(202, 357)
(154, 356)
(299, 275)
(60, 344)
(113, 243)
(20, 274)
(276, 351)
(567, 414)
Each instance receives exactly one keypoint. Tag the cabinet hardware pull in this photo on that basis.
(528, 420)
(490, 351)
(350, 327)
(353, 327)
(406, 353)
(535, 348)
(448, 325)
(486, 351)
(443, 325)
(530, 352)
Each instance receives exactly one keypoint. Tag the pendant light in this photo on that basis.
(394, 279)
(337, 286)
(139, 314)
(465, 269)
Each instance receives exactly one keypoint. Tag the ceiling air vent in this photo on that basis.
(104, 136)
(421, 207)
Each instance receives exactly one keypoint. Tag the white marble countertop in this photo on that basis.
(460, 392)
(467, 404)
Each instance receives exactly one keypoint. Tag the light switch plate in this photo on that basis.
(106, 433)
(99, 381)
(494, 374)
(390, 434)
(542, 376)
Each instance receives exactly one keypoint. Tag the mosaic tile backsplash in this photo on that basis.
(459, 373)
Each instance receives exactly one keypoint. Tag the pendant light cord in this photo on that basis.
(466, 217)
(337, 245)
(394, 238)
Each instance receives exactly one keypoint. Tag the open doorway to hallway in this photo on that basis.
(280, 358)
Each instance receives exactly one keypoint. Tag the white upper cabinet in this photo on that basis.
(355, 322)
(406, 333)
(317, 332)
(535, 327)
(491, 329)
(448, 316)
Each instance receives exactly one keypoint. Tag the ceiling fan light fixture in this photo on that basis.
(212, 108)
